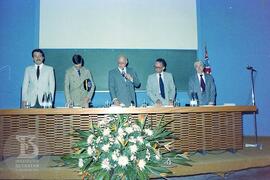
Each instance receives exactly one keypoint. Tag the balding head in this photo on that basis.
(199, 66)
(122, 61)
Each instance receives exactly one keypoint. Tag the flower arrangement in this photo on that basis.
(121, 148)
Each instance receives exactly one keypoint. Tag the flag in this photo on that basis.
(207, 67)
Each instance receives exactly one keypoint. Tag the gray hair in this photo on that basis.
(198, 62)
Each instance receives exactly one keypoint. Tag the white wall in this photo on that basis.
(143, 24)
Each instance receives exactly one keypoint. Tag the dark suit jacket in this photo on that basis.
(209, 95)
(123, 90)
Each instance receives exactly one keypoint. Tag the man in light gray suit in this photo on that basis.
(202, 84)
(122, 83)
(79, 84)
(38, 80)
(160, 86)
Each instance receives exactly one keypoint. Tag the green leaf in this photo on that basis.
(80, 144)
(181, 162)
(94, 168)
(158, 170)
(84, 134)
(142, 175)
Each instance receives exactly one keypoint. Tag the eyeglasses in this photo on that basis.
(156, 67)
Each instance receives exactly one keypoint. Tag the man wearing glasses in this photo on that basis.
(122, 83)
(160, 85)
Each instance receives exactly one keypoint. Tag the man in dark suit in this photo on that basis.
(202, 84)
(122, 83)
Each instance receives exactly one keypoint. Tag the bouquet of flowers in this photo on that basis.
(121, 148)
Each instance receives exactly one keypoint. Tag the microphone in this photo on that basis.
(251, 68)
(123, 74)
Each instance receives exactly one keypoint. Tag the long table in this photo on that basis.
(197, 128)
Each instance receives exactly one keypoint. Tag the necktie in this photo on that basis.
(79, 72)
(161, 87)
(202, 83)
(38, 72)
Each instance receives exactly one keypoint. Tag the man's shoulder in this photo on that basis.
(70, 69)
(85, 69)
(47, 67)
(130, 69)
(209, 76)
(152, 76)
(113, 70)
(193, 77)
(29, 67)
(167, 73)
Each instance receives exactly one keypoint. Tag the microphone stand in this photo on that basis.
(257, 145)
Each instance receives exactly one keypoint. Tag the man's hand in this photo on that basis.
(24, 104)
(116, 102)
(86, 100)
(128, 77)
(211, 103)
(158, 102)
(170, 102)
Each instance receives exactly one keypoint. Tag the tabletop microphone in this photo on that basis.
(251, 68)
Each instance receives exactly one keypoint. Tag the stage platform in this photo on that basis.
(216, 162)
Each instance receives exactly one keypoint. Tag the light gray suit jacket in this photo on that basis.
(209, 95)
(123, 90)
(153, 90)
(74, 89)
(34, 88)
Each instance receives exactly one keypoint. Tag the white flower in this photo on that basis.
(121, 132)
(105, 147)
(90, 139)
(141, 164)
(106, 132)
(123, 161)
(106, 164)
(111, 139)
(102, 122)
(133, 148)
(132, 139)
(136, 127)
(116, 141)
(140, 139)
(120, 139)
(149, 132)
(147, 156)
(90, 151)
(148, 145)
(132, 157)
(129, 130)
(80, 163)
(98, 140)
(115, 155)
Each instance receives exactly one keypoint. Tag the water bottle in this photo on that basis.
(193, 101)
